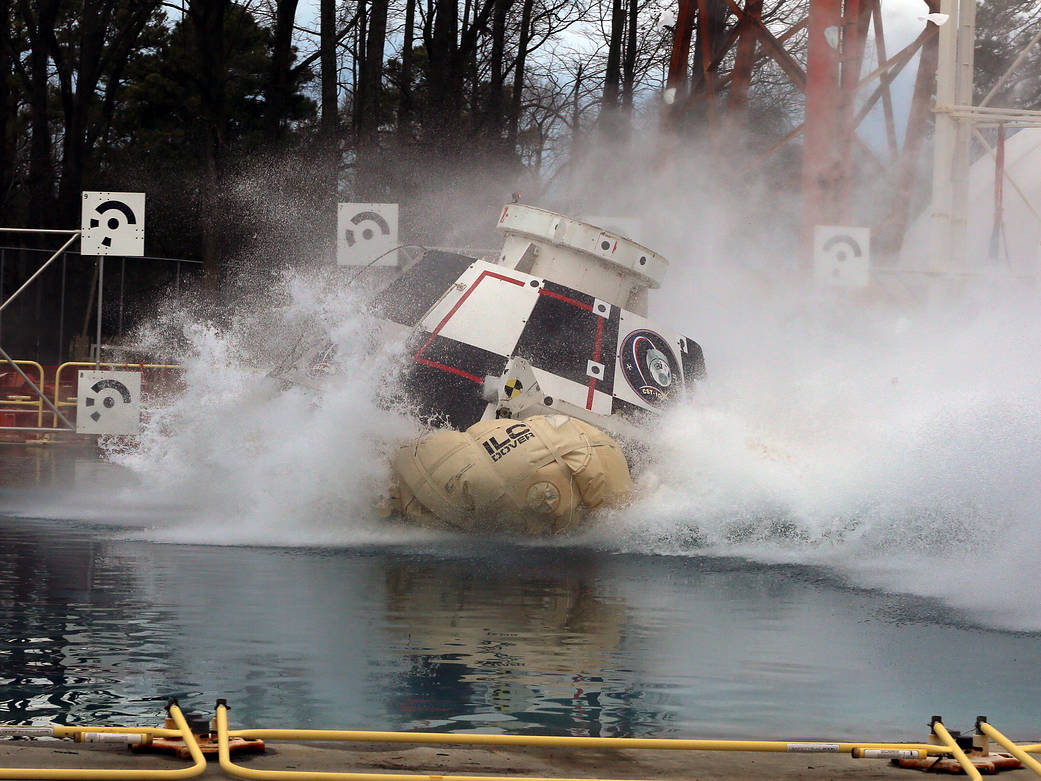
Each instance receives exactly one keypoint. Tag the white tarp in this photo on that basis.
(1022, 212)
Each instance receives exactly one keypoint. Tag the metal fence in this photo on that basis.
(132, 285)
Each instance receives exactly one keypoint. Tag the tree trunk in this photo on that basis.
(360, 64)
(207, 17)
(405, 96)
(576, 110)
(495, 96)
(629, 61)
(329, 122)
(330, 94)
(518, 74)
(577, 145)
(613, 72)
(41, 167)
(8, 110)
(372, 77)
(78, 92)
(107, 35)
(277, 90)
(468, 63)
(369, 172)
(609, 119)
(445, 75)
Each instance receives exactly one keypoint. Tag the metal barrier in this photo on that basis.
(71, 402)
(11, 400)
(1022, 753)
(109, 734)
(942, 744)
(966, 764)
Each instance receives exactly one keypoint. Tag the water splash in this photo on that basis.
(899, 451)
(255, 462)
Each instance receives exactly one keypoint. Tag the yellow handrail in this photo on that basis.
(223, 735)
(89, 365)
(946, 745)
(966, 764)
(183, 731)
(1019, 752)
(24, 403)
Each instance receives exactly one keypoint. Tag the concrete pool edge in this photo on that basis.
(439, 760)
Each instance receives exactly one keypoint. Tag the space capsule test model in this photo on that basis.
(539, 362)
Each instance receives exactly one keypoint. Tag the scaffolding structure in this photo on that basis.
(839, 96)
(958, 123)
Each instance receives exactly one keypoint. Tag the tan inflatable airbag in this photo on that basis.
(540, 475)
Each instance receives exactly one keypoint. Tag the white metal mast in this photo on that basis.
(944, 139)
(957, 123)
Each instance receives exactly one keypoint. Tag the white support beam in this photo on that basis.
(982, 117)
(944, 139)
(963, 95)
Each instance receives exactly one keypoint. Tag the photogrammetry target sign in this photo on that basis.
(364, 232)
(108, 402)
(842, 255)
(113, 224)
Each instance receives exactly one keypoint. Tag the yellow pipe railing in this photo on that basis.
(1019, 752)
(224, 734)
(26, 402)
(946, 746)
(85, 734)
(953, 748)
(58, 402)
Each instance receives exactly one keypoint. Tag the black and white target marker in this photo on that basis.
(367, 232)
(113, 224)
(108, 402)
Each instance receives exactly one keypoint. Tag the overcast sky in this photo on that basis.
(903, 21)
(901, 16)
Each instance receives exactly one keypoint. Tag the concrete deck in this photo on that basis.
(546, 763)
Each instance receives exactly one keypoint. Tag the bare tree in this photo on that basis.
(207, 21)
(278, 87)
(9, 99)
(1004, 28)
(39, 25)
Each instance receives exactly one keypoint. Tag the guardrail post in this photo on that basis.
(61, 310)
(946, 738)
(122, 287)
(39, 391)
(1019, 752)
(101, 288)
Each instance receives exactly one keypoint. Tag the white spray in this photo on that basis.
(251, 461)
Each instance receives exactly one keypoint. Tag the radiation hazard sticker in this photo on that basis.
(513, 388)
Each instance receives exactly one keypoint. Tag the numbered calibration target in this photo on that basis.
(367, 233)
(113, 224)
(108, 402)
(842, 255)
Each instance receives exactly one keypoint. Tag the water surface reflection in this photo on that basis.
(464, 635)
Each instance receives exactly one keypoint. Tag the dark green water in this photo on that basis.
(461, 635)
